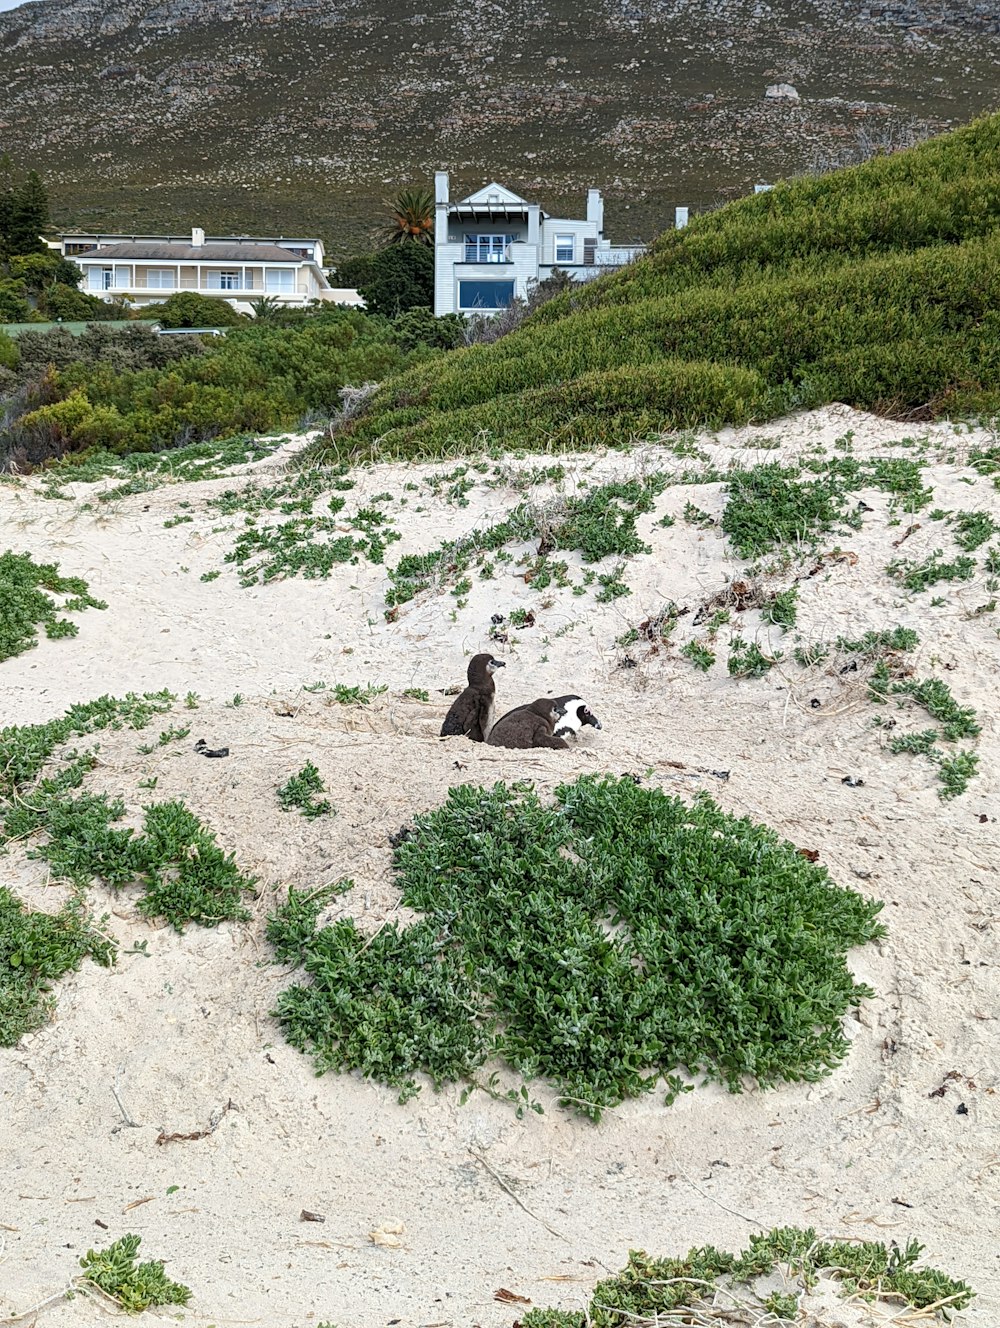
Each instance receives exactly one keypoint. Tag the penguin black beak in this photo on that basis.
(495, 664)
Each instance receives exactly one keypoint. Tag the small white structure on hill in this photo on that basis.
(147, 269)
(493, 246)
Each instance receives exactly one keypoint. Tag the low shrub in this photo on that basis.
(726, 960)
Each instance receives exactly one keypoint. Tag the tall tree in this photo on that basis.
(6, 201)
(411, 215)
(29, 216)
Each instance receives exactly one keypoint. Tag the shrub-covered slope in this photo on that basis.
(877, 286)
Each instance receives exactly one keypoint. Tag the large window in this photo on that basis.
(220, 279)
(160, 278)
(487, 248)
(279, 281)
(100, 278)
(485, 294)
(565, 249)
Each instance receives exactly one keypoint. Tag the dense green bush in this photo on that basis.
(877, 286)
(189, 309)
(726, 958)
(390, 280)
(130, 391)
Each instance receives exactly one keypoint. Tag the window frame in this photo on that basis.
(562, 243)
(160, 273)
(478, 306)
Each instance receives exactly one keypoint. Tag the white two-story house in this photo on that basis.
(494, 246)
(146, 269)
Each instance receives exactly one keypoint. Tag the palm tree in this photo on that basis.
(412, 217)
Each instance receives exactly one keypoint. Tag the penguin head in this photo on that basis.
(481, 668)
(587, 716)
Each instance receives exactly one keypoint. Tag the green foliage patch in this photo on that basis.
(135, 1286)
(724, 957)
(185, 876)
(301, 793)
(36, 949)
(918, 576)
(24, 605)
(598, 524)
(647, 1290)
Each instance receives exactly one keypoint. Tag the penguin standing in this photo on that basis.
(472, 713)
(529, 726)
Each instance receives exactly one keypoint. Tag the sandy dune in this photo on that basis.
(545, 1205)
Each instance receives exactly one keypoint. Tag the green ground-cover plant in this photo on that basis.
(918, 576)
(135, 1286)
(769, 505)
(185, 876)
(25, 605)
(301, 793)
(782, 608)
(25, 748)
(602, 521)
(699, 655)
(725, 959)
(747, 660)
(36, 949)
(971, 529)
(685, 1290)
(597, 524)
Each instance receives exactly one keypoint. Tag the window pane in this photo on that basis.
(485, 294)
(278, 280)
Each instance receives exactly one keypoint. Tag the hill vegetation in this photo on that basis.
(876, 286)
(323, 106)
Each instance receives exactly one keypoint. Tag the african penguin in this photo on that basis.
(529, 726)
(472, 712)
(576, 715)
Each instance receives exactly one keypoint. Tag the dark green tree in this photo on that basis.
(6, 201)
(29, 216)
(189, 309)
(392, 280)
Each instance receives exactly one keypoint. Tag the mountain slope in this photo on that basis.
(302, 114)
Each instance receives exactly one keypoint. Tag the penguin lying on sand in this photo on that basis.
(472, 712)
(529, 726)
(576, 715)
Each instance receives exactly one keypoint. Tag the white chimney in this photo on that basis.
(595, 210)
(197, 237)
(441, 187)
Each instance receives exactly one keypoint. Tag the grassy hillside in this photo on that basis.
(877, 286)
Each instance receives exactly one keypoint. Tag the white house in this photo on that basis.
(494, 245)
(147, 269)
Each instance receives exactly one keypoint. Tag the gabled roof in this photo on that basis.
(493, 193)
(186, 252)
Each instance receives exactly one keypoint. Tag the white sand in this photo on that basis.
(182, 1032)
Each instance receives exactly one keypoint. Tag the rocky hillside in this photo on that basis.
(296, 114)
